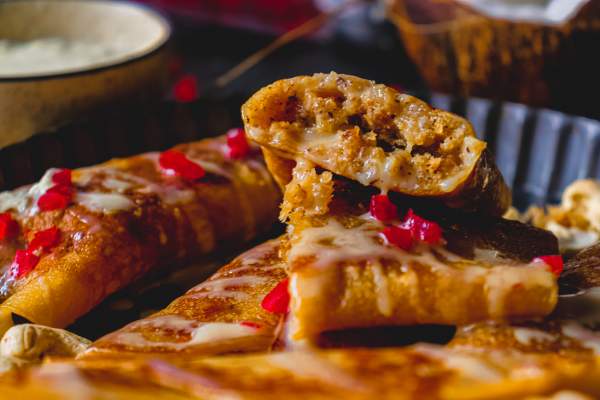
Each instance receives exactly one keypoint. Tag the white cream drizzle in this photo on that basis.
(24, 200)
(116, 184)
(107, 203)
(586, 337)
(308, 364)
(468, 365)
(528, 336)
(224, 283)
(384, 302)
(121, 181)
(218, 294)
(200, 333)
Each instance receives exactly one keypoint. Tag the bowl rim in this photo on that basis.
(122, 60)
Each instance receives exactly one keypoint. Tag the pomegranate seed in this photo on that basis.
(176, 162)
(382, 208)
(398, 236)
(237, 143)
(422, 229)
(23, 263)
(62, 177)
(251, 324)
(186, 89)
(56, 198)
(555, 262)
(8, 226)
(45, 240)
(278, 299)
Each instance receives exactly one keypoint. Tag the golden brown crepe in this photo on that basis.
(220, 315)
(565, 338)
(65, 380)
(343, 274)
(377, 136)
(416, 372)
(128, 217)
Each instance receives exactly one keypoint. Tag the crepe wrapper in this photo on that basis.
(377, 136)
(160, 221)
(221, 315)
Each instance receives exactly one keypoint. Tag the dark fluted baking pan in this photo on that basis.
(539, 151)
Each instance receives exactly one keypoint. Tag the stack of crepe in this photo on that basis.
(393, 214)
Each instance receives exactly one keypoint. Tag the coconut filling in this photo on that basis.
(376, 148)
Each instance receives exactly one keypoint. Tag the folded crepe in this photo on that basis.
(377, 136)
(416, 372)
(71, 240)
(344, 274)
(220, 315)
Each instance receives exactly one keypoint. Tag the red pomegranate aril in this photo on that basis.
(62, 177)
(382, 208)
(8, 226)
(422, 229)
(554, 262)
(186, 89)
(277, 300)
(56, 198)
(45, 240)
(24, 262)
(177, 163)
(398, 236)
(237, 143)
(251, 324)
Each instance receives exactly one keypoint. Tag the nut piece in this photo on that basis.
(28, 344)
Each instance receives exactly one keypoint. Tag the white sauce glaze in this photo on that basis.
(529, 336)
(107, 203)
(587, 338)
(199, 332)
(24, 200)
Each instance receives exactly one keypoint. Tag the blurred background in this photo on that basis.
(538, 52)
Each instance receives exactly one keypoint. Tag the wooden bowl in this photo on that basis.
(40, 99)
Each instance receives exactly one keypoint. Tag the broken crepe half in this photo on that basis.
(75, 237)
(379, 197)
(221, 315)
(356, 267)
(377, 136)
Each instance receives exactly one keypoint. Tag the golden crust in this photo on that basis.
(417, 372)
(377, 136)
(561, 338)
(231, 296)
(167, 222)
(343, 275)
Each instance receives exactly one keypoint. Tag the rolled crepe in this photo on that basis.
(220, 315)
(417, 372)
(128, 217)
(377, 136)
(343, 274)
